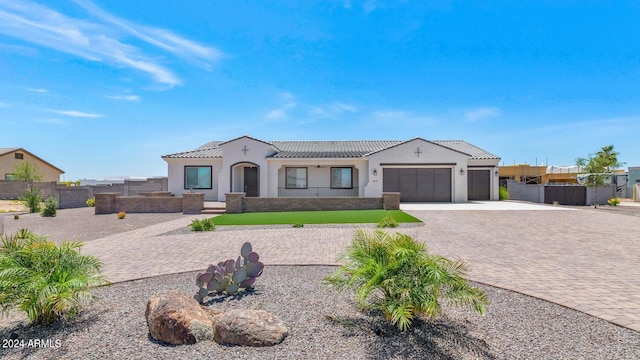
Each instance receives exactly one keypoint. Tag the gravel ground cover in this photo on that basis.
(82, 224)
(323, 325)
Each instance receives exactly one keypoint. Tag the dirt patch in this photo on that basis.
(11, 206)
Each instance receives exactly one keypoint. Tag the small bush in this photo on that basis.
(91, 202)
(50, 207)
(16, 217)
(503, 193)
(298, 225)
(32, 199)
(396, 275)
(43, 279)
(202, 225)
(388, 222)
(613, 202)
(121, 215)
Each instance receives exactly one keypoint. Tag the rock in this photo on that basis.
(176, 318)
(249, 328)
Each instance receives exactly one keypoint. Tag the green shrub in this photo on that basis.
(202, 225)
(32, 199)
(298, 225)
(43, 279)
(396, 275)
(16, 217)
(91, 202)
(388, 222)
(121, 215)
(503, 193)
(613, 202)
(50, 207)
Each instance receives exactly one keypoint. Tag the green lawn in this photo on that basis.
(313, 217)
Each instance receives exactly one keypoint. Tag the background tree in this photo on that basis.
(598, 167)
(27, 172)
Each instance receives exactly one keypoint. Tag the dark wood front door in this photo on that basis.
(251, 181)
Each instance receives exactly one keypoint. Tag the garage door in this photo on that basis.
(478, 184)
(418, 184)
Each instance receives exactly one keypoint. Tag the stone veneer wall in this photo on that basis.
(109, 203)
(238, 203)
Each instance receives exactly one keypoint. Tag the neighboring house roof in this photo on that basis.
(4, 151)
(330, 149)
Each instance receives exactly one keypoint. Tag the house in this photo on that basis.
(421, 170)
(10, 157)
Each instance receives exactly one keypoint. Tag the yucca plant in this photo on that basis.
(395, 274)
(43, 279)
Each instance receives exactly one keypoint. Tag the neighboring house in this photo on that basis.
(10, 157)
(421, 170)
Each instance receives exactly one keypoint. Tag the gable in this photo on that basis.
(418, 151)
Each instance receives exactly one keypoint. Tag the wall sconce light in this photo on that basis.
(375, 172)
(497, 172)
(461, 171)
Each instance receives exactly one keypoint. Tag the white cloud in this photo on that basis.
(276, 114)
(369, 6)
(4, 105)
(98, 38)
(37, 90)
(482, 112)
(123, 97)
(76, 113)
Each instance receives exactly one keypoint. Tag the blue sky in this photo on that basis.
(104, 88)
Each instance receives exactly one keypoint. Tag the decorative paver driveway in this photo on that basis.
(583, 259)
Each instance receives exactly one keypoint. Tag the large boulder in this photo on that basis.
(176, 318)
(249, 328)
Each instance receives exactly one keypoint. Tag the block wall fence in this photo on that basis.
(239, 203)
(76, 196)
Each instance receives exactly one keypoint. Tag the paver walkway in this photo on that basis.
(586, 260)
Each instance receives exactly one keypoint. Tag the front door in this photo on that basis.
(251, 181)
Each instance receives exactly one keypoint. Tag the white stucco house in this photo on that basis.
(421, 170)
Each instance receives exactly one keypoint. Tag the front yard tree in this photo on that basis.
(29, 173)
(598, 167)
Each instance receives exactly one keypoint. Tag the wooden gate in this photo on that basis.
(566, 195)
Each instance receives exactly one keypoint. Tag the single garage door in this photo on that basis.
(478, 184)
(418, 184)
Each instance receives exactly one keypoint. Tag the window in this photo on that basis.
(296, 178)
(19, 156)
(197, 177)
(341, 178)
(10, 177)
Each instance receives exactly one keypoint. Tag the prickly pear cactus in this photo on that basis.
(231, 276)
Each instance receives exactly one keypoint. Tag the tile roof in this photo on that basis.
(330, 149)
(7, 150)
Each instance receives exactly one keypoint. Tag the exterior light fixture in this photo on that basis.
(461, 171)
(375, 172)
(497, 172)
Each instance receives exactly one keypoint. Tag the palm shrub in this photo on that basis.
(43, 279)
(50, 207)
(396, 274)
(387, 222)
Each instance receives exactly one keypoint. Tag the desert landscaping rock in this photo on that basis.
(249, 328)
(176, 318)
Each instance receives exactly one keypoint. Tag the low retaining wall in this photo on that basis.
(158, 202)
(239, 203)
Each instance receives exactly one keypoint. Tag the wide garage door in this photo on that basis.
(478, 184)
(418, 184)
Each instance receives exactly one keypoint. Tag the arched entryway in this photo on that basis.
(245, 177)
